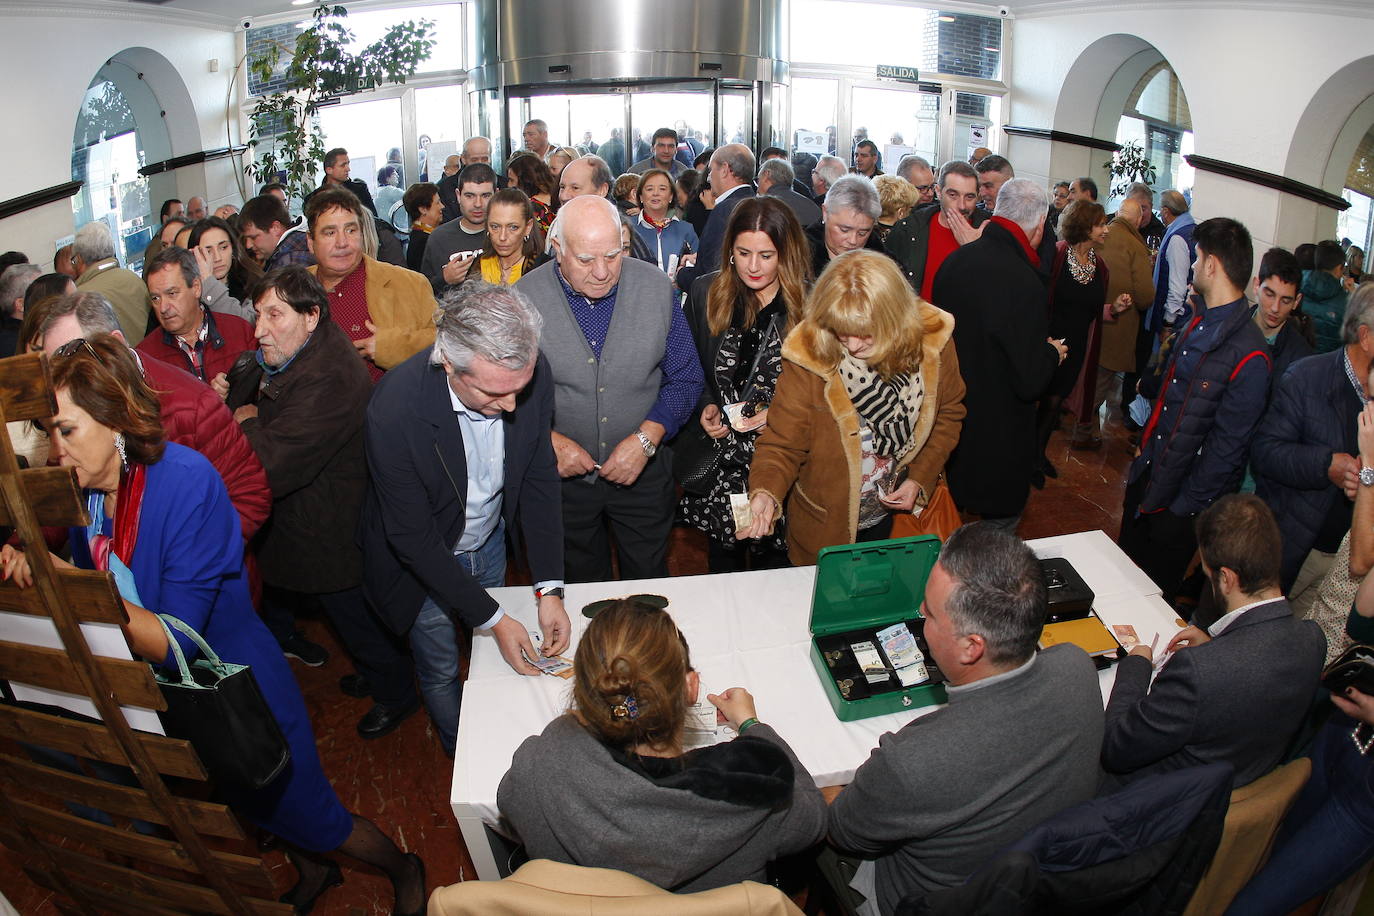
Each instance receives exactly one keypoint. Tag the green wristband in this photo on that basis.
(747, 724)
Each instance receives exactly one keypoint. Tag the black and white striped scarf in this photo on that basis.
(888, 407)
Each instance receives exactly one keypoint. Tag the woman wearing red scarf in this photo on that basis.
(162, 523)
(666, 236)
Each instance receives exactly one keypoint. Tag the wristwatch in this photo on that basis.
(646, 443)
(555, 592)
(1366, 477)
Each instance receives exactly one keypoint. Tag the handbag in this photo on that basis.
(1354, 668)
(219, 708)
(940, 517)
(696, 460)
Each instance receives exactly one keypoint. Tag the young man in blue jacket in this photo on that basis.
(1207, 404)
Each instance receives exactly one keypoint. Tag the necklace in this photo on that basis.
(1362, 746)
(1082, 273)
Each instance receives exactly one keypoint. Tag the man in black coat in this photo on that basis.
(458, 450)
(730, 174)
(1236, 692)
(336, 172)
(992, 288)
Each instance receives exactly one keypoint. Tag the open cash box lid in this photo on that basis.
(871, 584)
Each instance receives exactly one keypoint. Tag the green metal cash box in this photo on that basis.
(861, 589)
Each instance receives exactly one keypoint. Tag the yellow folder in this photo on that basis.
(1088, 634)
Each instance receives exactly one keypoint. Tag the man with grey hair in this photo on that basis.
(195, 209)
(850, 212)
(14, 283)
(1151, 227)
(1173, 266)
(775, 180)
(627, 378)
(1001, 333)
(98, 271)
(828, 170)
(730, 172)
(583, 176)
(918, 171)
(192, 337)
(995, 171)
(459, 456)
(1018, 742)
(536, 137)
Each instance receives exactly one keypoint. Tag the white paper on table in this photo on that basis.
(105, 639)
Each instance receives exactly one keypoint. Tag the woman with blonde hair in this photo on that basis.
(897, 196)
(869, 405)
(630, 796)
(739, 318)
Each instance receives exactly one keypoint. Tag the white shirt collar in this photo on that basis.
(1216, 629)
(993, 679)
(725, 194)
(460, 408)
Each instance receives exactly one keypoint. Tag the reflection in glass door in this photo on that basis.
(688, 113)
(899, 121)
(370, 131)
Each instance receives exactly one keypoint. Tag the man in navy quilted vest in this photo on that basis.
(1208, 399)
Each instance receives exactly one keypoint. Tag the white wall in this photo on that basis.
(1250, 76)
(50, 55)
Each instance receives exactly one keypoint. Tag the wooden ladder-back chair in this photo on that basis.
(92, 867)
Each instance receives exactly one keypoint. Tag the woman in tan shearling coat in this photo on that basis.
(868, 407)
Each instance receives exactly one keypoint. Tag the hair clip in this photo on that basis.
(629, 709)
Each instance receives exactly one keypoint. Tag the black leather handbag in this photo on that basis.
(219, 707)
(1354, 668)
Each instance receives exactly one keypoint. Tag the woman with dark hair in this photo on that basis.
(425, 208)
(739, 317)
(514, 246)
(631, 797)
(869, 405)
(1078, 293)
(163, 525)
(48, 286)
(666, 236)
(527, 172)
(226, 272)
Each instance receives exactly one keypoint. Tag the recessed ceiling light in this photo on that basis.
(302, 2)
(946, 18)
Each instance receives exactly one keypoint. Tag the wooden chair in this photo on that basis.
(1252, 821)
(96, 868)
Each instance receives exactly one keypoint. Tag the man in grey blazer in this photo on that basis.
(1233, 693)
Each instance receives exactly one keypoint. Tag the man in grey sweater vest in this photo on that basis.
(626, 377)
(1017, 743)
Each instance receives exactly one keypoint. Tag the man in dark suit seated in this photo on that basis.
(730, 173)
(458, 451)
(1233, 693)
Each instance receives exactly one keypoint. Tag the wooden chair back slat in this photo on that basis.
(206, 817)
(91, 596)
(55, 499)
(170, 756)
(26, 388)
(131, 681)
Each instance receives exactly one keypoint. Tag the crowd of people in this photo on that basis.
(367, 414)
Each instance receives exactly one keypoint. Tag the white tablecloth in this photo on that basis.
(745, 630)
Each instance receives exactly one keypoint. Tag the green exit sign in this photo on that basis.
(893, 72)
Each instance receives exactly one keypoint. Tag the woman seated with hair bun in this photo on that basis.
(609, 785)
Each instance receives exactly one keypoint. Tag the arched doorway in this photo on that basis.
(123, 125)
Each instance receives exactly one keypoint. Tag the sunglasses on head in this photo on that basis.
(73, 347)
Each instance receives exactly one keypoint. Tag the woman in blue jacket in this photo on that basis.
(666, 236)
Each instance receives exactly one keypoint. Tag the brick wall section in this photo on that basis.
(961, 45)
(261, 38)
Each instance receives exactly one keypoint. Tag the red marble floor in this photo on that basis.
(402, 781)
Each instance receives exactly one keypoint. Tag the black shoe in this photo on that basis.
(383, 720)
(303, 650)
(1048, 469)
(355, 685)
(332, 878)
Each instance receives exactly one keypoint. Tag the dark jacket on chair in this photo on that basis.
(1236, 699)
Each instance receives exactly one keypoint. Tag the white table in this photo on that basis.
(745, 630)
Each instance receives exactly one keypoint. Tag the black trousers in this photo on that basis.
(640, 517)
(377, 653)
(1160, 543)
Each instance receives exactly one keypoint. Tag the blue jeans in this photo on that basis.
(434, 640)
(1328, 834)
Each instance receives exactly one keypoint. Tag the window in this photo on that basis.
(862, 34)
(106, 155)
(1157, 117)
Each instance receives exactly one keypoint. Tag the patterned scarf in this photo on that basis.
(888, 407)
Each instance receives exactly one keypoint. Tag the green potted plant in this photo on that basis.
(285, 134)
(1129, 165)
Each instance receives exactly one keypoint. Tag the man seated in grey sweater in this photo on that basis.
(1018, 742)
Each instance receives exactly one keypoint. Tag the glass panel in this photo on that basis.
(447, 53)
(1357, 222)
(897, 120)
(689, 113)
(106, 155)
(439, 125)
(861, 34)
(1165, 146)
(737, 117)
(595, 123)
(370, 131)
(813, 115)
(976, 122)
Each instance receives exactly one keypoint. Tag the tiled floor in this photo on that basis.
(402, 781)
